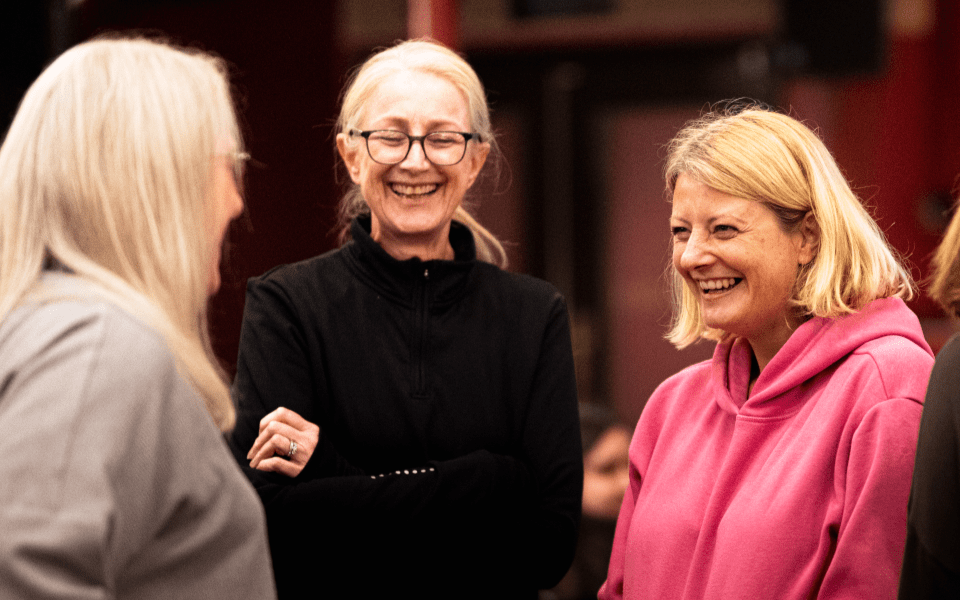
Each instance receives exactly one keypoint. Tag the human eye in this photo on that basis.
(389, 138)
(725, 232)
(444, 139)
(680, 233)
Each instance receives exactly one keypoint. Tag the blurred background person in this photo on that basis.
(606, 463)
(931, 563)
(118, 177)
(408, 410)
(780, 468)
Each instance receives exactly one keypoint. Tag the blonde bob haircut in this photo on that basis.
(944, 282)
(421, 56)
(750, 152)
(107, 170)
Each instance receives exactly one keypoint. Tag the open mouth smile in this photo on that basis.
(716, 286)
(413, 191)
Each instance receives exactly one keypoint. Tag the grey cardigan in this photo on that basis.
(114, 480)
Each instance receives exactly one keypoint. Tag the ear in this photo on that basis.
(809, 242)
(476, 160)
(350, 153)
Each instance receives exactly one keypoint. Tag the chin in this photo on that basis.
(422, 227)
(213, 285)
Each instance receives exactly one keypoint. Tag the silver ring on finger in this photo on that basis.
(292, 450)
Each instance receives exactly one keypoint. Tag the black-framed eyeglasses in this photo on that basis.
(390, 147)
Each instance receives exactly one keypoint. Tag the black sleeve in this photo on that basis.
(337, 516)
(931, 564)
(552, 448)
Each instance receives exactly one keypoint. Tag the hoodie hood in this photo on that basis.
(814, 347)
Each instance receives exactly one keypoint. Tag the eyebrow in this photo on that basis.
(432, 125)
(711, 220)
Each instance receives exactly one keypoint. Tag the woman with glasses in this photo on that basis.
(407, 409)
(117, 183)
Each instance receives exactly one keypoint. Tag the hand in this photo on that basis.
(271, 450)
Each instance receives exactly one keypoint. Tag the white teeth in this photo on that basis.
(413, 190)
(717, 284)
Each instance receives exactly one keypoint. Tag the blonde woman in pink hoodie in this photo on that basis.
(781, 467)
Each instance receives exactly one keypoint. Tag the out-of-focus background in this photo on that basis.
(585, 93)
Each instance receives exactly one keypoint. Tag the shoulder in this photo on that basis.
(518, 288)
(88, 379)
(671, 410)
(948, 359)
(79, 350)
(943, 392)
(696, 376)
(878, 390)
(302, 273)
(901, 367)
(890, 348)
(523, 306)
(74, 320)
(291, 287)
(678, 394)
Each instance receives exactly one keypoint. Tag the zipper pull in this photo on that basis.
(426, 273)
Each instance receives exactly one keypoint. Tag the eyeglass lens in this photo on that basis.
(440, 147)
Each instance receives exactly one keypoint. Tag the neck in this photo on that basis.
(754, 373)
(425, 248)
(765, 347)
(764, 351)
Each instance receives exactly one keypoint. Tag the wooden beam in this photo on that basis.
(438, 19)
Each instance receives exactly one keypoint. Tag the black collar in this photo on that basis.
(403, 281)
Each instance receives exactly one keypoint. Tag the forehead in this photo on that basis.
(693, 200)
(412, 98)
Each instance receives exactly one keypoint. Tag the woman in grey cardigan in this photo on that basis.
(118, 178)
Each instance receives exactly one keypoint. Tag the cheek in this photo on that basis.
(780, 281)
(676, 253)
(371, 175)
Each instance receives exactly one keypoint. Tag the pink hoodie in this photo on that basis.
(800, 490)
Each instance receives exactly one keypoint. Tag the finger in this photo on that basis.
(306, 443)
(269, 430)
(284, 415)
(276, 445)
(279, 465)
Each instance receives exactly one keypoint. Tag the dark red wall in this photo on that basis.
(288, 75)
(898, 139)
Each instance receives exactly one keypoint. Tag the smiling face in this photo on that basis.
(739, 262)
(412, 203)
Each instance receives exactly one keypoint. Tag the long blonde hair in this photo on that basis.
(423, 56)
(757, 154)
(106, 169)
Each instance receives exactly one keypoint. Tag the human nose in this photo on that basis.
(236, 206)
(416, 158)
(234, 198)
(695, 252)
